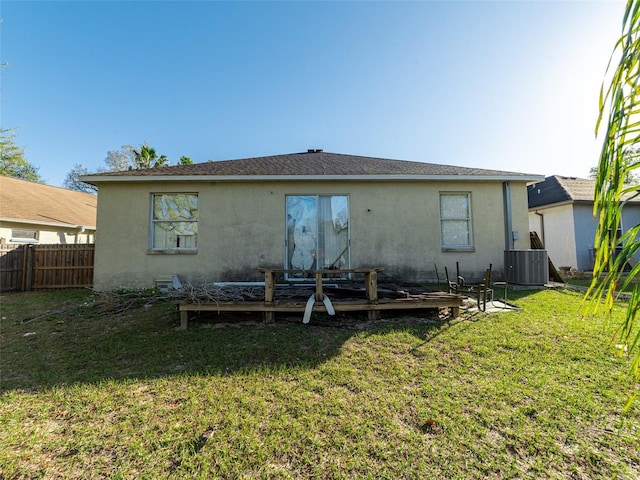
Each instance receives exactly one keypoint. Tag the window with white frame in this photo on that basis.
(455, 220)
(24, 236)
(174, 221)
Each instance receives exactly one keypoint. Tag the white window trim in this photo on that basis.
(172, 250)
(23, 240)
(33, 240)
(457, 248)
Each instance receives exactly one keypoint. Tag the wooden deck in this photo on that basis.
(320, 302)
(435, 300)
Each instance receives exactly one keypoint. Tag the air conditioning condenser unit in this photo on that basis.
(526, 267)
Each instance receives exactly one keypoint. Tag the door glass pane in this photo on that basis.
(301, 232)
(333, 232)
(317, 232)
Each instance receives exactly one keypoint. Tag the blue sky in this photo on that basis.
(504, 85)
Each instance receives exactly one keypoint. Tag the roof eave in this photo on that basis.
(46, 224)
(588, 203)
(284, 178)
(551, 205)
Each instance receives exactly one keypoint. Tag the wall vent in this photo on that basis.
(526, 267)
(168, 283)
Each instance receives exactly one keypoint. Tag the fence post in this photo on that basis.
(23, 265)
(27, 268)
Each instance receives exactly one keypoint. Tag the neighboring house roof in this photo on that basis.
(30, 202)
(314, 164)
(558, 189)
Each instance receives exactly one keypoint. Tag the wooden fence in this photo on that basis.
(28, 267)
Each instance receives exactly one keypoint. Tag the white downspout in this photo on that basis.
(541, 227)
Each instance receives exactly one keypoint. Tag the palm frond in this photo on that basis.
(618, 103)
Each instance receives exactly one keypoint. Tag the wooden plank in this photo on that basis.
(425, 301)
(66, 268)
(371, 286)
(269, 286)
(11, 270)
(184, 319)
(319, 292)
(372, 304)
(370, 274)
(63, 266)
(269, 294)
(322, 271)
(27, 278)
(62, 286)
(351, 306)
(47, 266)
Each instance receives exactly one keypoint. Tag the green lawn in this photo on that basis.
(111, 389)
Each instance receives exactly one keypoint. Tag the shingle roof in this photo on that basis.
(312, 163)
(39, 203)
(559, 189)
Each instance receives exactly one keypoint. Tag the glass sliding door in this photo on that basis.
(317, 232)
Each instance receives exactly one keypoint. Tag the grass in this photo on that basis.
(586, 282)
(96, 392)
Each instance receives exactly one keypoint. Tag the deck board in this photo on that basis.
(415, 302)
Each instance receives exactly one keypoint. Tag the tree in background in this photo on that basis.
(629, 177)
(119, 160)
(73, 182)
(146, 157)
(12, 160)
(130, 157)
(619, 157)
(127, 157)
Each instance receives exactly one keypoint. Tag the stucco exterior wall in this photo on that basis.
(631, 218)
(535, 224)
(585, 232)
(47, 234)
(557, 233)
(586, 227)
(569, 232)
(241, 227)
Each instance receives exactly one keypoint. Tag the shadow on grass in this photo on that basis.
(47, 341)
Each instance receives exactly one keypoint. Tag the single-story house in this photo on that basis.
(561, 213)
(222, 220)
(33, 212)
